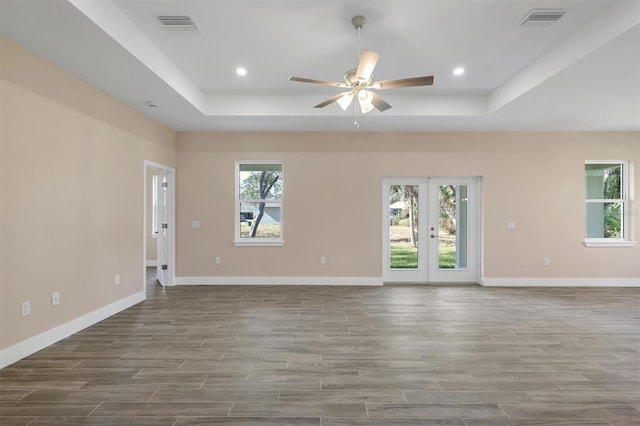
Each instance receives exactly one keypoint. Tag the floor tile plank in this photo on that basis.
(457, 355)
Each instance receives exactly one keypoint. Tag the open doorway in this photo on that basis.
(159, 223)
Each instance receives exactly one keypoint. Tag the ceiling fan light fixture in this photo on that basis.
(345, 100)
(365, 99)
(359, 79)
(365, 108)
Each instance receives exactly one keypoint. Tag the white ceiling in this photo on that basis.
(581, 73)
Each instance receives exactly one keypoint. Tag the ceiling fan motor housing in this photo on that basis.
(352, 81)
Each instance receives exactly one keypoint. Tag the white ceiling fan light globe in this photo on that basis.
(365, 98)
(365, 108)
(345, 100)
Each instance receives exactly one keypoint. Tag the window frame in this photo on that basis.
(626, 225)
(257, 242)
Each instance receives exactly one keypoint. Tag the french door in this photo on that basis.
(430, 229)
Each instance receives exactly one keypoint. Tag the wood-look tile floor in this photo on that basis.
(393, 355)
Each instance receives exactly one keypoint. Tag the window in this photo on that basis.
(606, 204)
(259, 187)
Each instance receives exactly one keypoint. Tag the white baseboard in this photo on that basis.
(560, 282)
(34, 344)
(151, 263)
(378, 281)
(360, 281)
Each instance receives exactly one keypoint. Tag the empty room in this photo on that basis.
(301, 212)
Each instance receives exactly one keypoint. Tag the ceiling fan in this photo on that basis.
(359, 81)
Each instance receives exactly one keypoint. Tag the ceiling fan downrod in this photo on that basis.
(358, 22)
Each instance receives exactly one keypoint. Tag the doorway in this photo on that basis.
(159, 221)
(431, 229)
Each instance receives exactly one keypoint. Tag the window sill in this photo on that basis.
(604, 243)
(254, 243)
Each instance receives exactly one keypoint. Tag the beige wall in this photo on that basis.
(333, 200)
(71, 191)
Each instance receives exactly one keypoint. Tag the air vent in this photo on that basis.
(177, 22)
(542, 17)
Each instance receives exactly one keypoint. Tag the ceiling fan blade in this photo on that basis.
(379, 103)
(403, 82)
(368, 61)
(329, 101)
(314, 81)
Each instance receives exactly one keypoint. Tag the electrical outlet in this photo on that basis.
(116, 279)
(217, 260)
(25, 309)
(195, 224)
(547, 261)
(55, 298)
(323, 260)
(511, 226)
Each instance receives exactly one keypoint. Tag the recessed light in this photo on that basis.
(241, 71)
(458, 71)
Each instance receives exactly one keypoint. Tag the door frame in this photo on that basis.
(421, 275)
(171, 222)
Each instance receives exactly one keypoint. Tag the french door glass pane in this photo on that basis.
(452, 226)
(403, 226)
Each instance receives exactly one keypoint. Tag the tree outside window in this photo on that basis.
(605, 201)
(259, 203)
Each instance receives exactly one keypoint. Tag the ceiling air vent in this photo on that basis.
(542, 17)
(177, 22)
